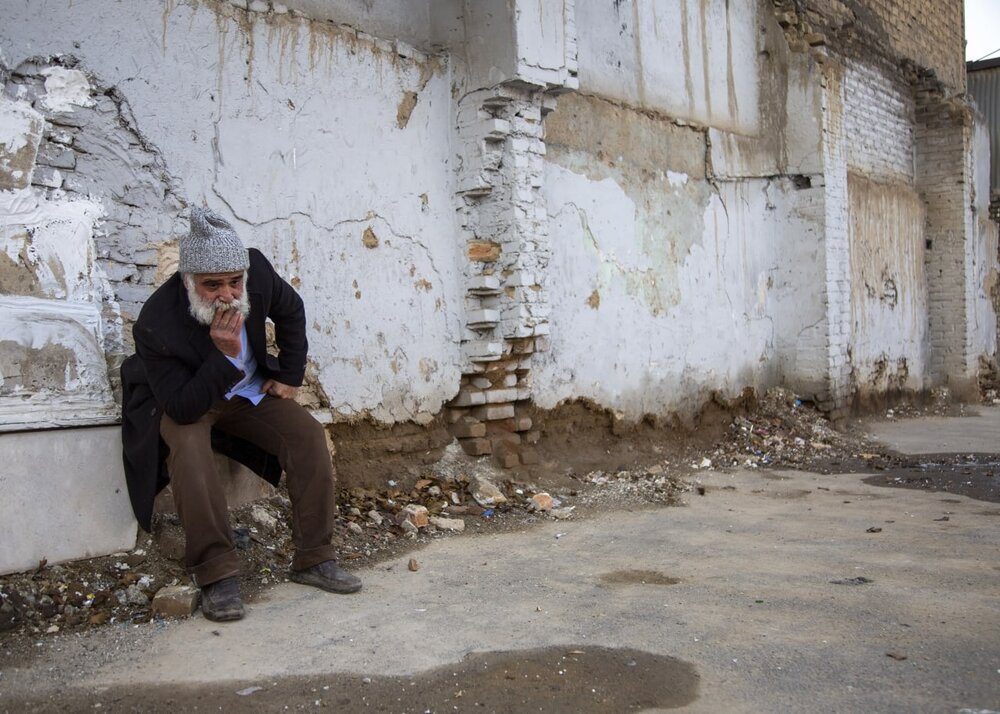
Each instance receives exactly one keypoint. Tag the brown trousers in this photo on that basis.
(279, 426)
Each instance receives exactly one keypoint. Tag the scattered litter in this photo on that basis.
(248, 691)
(241, 537)
(860, 580)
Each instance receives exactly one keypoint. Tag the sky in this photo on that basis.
(982, 29)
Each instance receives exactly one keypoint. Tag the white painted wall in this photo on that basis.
(542, 42)
(889, 292)
(642, 328)
(691, 59)
(298, 131)
(408, 20)
(983, 250)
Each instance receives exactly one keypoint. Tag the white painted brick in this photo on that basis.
(467, 398)
(496, 396)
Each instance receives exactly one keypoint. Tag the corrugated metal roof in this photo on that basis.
(984, 86)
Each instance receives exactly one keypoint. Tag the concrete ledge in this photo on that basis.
(64, 497)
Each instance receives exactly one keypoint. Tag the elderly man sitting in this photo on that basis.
(201, 378)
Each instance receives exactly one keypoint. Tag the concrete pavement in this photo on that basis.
(755, 609)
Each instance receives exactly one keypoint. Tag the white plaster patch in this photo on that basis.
(67, 331)
(66, 89)
(60, 248)
(20, 134)
(18, 125)
(676, 179)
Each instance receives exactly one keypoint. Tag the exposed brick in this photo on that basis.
(467, 427)
(468, 397)
(498, 396)
(494, 412)
(505, 438)
(484, 251)
(502, 426)
(476, 447)
(415, 514)
(506, 455)
(175, 601)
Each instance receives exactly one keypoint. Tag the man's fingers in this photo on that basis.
(278, 389)
(228, 320)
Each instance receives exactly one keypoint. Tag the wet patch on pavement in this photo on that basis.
(975, 476)
(861, 496)
(571, 678)
(788, 493)
(638, 577)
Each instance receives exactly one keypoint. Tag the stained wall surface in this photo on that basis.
(691, 59)
(328, 150)
(648, 253)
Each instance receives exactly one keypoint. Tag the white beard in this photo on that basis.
(204, 311)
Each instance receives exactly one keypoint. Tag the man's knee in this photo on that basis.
(314, 435)
(185, 436)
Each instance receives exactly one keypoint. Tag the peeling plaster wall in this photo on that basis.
(709, 172)
(888, 287)
(983, 256)
(58, 318)
(663, 286)
(691, 59)
(545, 41)
(888, 346)
(790, 138)
(643, 331)
(328, 149)
(407, 20)
(524, 41)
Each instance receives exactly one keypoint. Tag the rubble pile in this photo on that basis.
(373, 524)
(781, 432)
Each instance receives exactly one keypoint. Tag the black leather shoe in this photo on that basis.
(221, 601)
(329, 576)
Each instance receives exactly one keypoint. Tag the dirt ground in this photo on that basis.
(588, 466)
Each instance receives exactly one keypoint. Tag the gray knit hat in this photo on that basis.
(212, 246)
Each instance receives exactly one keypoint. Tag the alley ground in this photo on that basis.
(775, 590)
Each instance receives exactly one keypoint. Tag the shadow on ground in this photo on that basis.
(567, 678)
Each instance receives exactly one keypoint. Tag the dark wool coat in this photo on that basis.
(177, 370)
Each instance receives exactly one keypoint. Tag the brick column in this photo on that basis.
(505, 226)
(943, 178)
(836, 240)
